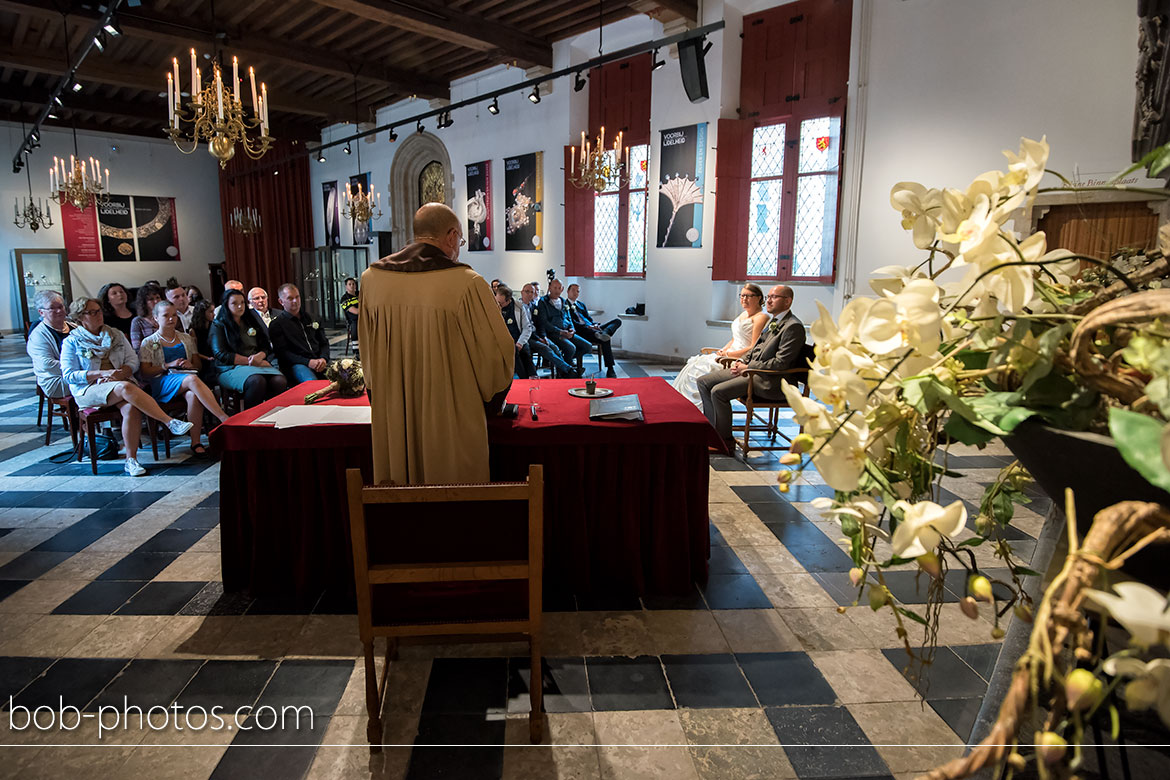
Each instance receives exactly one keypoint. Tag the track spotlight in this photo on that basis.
(99, 41)
(77, 86)
(657, 63)
(36, 136)
(321, 156)
(57, 100)
(347, 150)
(393, 135)
(494, 108)
(276, 172)
(578, 82)
(112, 28)
(534, 96)
(418, 128)
(446, 120)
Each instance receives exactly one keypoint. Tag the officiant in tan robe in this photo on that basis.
(435, 354)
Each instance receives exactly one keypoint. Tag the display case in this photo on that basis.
(37, 270)
(320, 274)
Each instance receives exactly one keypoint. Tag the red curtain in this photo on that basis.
(277, 185)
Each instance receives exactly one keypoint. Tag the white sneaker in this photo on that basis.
(133, 469)
(602, 335)
(178, 427)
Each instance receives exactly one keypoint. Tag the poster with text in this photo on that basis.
(524, 194)
(362, 231)
(479, 206)
(80, 229)
(116, 225)
(156, 228)
(329, 195)
(680, 186)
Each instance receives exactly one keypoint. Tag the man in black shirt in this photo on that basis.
(349, 307)
(298, 339)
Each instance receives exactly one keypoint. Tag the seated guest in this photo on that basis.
(241, 348)
(745, 330)
(44, 342)
(552, 316)
(539, 343)
(778, 349)
(116, 307)
(495, 284)
(589, 330)
(144, 324)
(98, 365)
(177, 294)
(519, 324)
(349, 308)
(201, 331)
(228, 286)
(258, 300)
(302, 350)
(194, 294)
(164, 360)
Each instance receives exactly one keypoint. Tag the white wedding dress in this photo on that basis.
(687, 380)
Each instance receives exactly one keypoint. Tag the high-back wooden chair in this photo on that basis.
(64, 407)
(769, 422)
(425, 597)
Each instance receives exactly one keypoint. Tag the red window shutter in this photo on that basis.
(619, 100)
(822, 55)
(578, 226)
(732, 193)
(767, 77)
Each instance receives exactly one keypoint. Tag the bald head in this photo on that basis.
(778, 300)
(433, 220)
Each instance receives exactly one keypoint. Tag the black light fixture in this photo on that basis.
(321, 156)
(57, 100)
(534, 96)
(276, 172)
(657, 63)
(578, 82)
(112, 28)
(494, 108)
(99, 41)
(418, 127)
(393, 135)
(77, 86)
(446, 121)
(347, 150)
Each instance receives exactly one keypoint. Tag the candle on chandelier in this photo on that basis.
(572, 160)
(175, 69)
(264, 120)
(219, 94)
(198, 91)
(627, 159)
(170, 98)
(52, 180)
(194, 78)
(255, 105)
(236, 79)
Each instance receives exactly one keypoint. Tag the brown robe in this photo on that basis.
(434, 350)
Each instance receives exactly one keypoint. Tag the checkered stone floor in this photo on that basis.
(110, 595)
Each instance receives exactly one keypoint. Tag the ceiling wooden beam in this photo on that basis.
(687, 9)
(144, 24)
(435, 21)
(153, 80)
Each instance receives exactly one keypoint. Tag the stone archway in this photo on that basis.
(415, 152)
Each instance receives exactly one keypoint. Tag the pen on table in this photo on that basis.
(532, 410)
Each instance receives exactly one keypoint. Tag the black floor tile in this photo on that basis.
(471, 685)
(693, 600)
(724, 561)
(211, 500)
(172, 540)
(837, 585)
(913, 587)
(15, 673)
(308, 683)
(10, 498)
(959, 714)
(32, 564)
(75, 538)
(757, 494)
(824, 556)
(137, 500)
(138, 566)
(147, 683)
(725, 463)
(734, 591)
(947, 677)
(71, 682)
(800, 533)
(781, 512)
(622, 683)
(211, 600)
(227, 684)
(270, 749)
(632, 370)
(716, 537)
(99, 598)
(459, 763)
(199, 517)
(161, 598)
(707, 681)
(564, 685)
(8, 587)
(802, 729)
(785, 679)
(981, 658)
(93, 499)
(5, 531)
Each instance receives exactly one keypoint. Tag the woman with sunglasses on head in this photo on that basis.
(98, 364)
(745, 329)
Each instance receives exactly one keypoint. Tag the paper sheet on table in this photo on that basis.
(296, 416)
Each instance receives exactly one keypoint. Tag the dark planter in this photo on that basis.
(1092, 466)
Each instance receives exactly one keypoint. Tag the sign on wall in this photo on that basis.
(362, 231)
(524, 185)
(124, 228)
(479, 206)
(683, 155)
(329, 195)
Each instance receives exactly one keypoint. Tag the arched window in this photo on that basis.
(432, 184)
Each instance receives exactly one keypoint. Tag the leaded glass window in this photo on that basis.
(619, 220)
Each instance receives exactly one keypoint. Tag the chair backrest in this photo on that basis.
(531, 492)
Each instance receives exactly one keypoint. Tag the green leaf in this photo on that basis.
(850, 526)
(1160, 162)
(1139, 438)
(973, 360)
(1026, 572)
(974, 541)
(1002, 508)
(1114, 722)
(965, 433)
(911, 614)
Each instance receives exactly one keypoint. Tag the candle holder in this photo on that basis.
(599, 168)
(79, 184)
(245, 221)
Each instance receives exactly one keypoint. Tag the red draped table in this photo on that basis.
(625, 503)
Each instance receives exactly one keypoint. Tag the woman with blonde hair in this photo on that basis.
(745, 329)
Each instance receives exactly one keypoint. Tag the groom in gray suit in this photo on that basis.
(778, 348)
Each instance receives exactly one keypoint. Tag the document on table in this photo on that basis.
(296, 416)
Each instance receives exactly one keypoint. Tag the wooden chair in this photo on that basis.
(232, 401)
(445, 612)
(175, 408)
(770, 424)
(65, 408)
(88, 420)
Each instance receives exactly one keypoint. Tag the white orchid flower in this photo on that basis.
(1150, 686)
(911, 318)
(841, 461)
(812, 417)
(864, 509)
(924, 525)
(839, 384)
(919, 207)
(896, 278)
(829, 332)
(1026, 169)
(1140, 609)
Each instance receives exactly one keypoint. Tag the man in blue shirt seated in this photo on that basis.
(589, 330)
(539, 343)
(552, 316)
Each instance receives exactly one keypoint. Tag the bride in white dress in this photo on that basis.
(745, 329)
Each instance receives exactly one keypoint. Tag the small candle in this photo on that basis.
(170, 98)
(572, 159)
(107, 179)
(219, 94)
(255, 104)
(194, 78)
(264, 107)
(198, 91)
(236, 79)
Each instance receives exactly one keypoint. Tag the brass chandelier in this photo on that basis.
(245, 221)
(79, 184)
(216, 117)
(597, 167)
(360, 206)
(33, 215)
